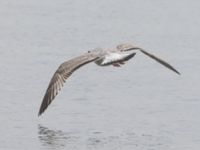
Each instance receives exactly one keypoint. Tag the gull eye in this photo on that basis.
(122, 50)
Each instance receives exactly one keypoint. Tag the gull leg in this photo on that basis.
(116, 65)
(122, 62)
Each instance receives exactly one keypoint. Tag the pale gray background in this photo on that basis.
(140, 106)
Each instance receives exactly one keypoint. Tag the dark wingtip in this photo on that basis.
(40, 112)
(43, 107)
(178, 73)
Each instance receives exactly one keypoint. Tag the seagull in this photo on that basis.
(102, 57)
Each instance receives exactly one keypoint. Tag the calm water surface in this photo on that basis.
(140, 106)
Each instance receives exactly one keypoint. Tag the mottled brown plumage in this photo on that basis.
(102, 57)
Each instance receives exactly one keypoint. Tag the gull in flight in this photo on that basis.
(102, 57)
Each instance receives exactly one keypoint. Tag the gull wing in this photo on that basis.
(60, 76)
(160, 61)
(129, 47)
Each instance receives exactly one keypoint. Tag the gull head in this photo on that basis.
(127, 47)
(96, 51)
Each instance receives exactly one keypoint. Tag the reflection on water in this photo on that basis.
(57, 139)
(52, 138)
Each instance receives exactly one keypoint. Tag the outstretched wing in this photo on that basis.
(60, 76)
(160, 61)
(129, 47)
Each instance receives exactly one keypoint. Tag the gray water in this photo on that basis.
(140, 106)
